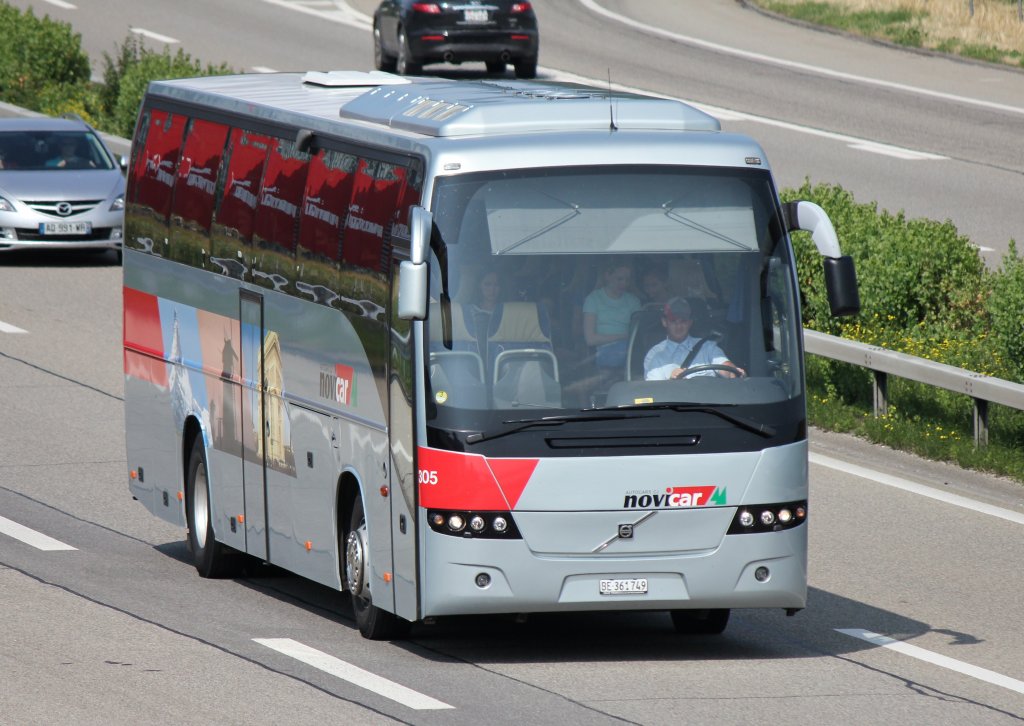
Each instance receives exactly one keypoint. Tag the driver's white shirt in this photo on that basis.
(668, 355)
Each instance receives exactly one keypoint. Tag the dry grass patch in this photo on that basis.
(994, 33)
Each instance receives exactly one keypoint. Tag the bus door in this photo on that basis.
(254, 469)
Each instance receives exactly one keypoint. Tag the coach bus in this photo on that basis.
(359, 344)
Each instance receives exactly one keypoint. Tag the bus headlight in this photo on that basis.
(769, 518)
(474, 525)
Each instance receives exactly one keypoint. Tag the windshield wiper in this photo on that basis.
(527, 423)
(744, 423)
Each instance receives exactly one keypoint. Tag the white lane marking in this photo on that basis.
(725, 114)
(341, 13)
(8, 328)
(263, 69)
(915, 488)
(353, 674)
(29, 536)
(61, 4)
(154, 36)
(750, 55)
(982, 674)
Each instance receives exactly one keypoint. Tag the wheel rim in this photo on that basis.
(378, 53)
(200, 506)
(356, 562)
(403, 57)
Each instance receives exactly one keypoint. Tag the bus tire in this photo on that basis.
(373, 623)
(700, 622)
(210, 557)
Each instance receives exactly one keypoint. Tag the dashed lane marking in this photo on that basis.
(353, 674)
(982, 674)
(29, 536)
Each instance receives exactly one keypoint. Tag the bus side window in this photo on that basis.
(152, 181)
(195, 191)
(277, 215)
(321, 223)
(237, 187)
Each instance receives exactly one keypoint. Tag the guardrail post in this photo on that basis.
(980, 423)
(881, 392)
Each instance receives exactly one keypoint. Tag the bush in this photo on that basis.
(39, 57)
(912, 273)
(127, 76)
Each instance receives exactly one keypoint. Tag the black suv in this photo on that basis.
(408, 34)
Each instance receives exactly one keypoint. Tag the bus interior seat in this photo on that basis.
(521, 361)
(462, 363)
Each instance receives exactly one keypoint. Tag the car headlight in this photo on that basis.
(118, 204)
(6, 206)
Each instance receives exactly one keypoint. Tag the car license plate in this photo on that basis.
(632, 586)
(62, 228)
(475, 15)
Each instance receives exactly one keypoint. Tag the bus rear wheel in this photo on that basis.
(373, 623)
(700, 622)
(210, 557)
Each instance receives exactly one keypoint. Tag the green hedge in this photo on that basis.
(43, 68)
(38, 57)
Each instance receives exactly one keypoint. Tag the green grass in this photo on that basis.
(900, 26)
(930, 422)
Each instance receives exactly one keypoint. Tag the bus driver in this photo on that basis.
(679, 352)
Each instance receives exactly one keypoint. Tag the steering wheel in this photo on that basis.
(712, 367)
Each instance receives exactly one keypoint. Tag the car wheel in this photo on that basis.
(495, 67)
(700, 622)
(381, 60)
(210, 557)
(405, 65)
(353, 546)
(526, 68)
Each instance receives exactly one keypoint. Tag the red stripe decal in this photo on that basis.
(512, 476)
(142, 334)
(452, 480)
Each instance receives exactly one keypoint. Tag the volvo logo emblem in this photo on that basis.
(624, 530)
(64, 209)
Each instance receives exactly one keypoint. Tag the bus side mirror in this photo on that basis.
(412, 290)
(414, 272)
(840, 276)
(841, 286)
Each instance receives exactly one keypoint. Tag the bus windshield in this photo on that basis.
(558, 293)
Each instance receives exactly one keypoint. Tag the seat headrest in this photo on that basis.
(460, 331)
(518, 322)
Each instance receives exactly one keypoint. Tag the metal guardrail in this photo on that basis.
(882, 363)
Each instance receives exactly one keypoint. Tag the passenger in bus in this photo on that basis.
(680, 351)
(606, 315)
(655, 286)
(486, 296)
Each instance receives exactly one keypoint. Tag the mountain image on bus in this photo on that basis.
(469, 347)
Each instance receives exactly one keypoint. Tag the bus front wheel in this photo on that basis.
(700, 622)
(373, 623)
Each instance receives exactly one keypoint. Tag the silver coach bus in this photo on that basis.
(469, 347)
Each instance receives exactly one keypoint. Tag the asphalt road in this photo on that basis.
(120, 629)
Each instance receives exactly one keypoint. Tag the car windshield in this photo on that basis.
(52, 151)
(579, 289)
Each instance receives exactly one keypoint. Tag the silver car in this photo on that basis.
(60, 187)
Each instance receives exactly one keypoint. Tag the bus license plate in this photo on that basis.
(63, 228)
(475, 15)
(634, 586)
